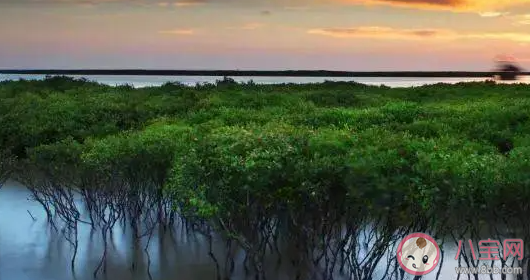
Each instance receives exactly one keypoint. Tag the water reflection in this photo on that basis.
(31, 249)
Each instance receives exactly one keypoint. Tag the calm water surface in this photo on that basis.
(145, 81)
(30, 250)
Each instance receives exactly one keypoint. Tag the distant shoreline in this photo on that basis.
(256, 73)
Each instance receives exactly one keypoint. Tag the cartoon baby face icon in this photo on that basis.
(418, 254)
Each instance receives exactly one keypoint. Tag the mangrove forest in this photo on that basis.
(323, 178)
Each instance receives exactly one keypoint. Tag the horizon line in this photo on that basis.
(270, 73)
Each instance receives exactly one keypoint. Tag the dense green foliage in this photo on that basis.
(278, 141)
(231, 154)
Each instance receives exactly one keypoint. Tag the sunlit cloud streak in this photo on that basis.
(185, 32)
(493, 14)
(377, 32)
(381, 33)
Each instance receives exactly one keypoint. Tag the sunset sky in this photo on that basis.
(357, 35)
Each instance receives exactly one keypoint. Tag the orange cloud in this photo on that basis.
(188, 3)
(381, 32)
(376, 32)
(478, 6)
(493, 14)
(427, 3)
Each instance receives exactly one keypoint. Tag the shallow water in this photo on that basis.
(145, 81)
(30, 250)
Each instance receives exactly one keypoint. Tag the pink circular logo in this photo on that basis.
(418, 254)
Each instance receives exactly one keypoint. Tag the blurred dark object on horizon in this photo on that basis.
(509, 71)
